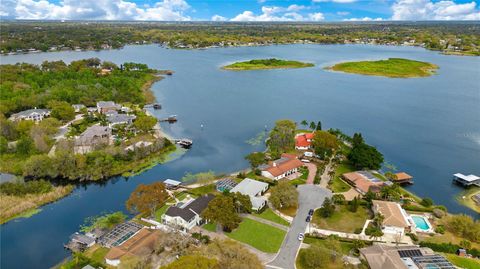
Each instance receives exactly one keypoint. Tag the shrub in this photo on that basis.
(426, 202)
(440, 229)
(438, 213)
(29, 187)
(358, 230)
(414, 237)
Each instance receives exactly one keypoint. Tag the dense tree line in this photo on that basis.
(45, 35)
(24, 188)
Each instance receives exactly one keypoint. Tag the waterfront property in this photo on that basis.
(422, 224)
(93, 136)
(119, 234)
(106, 106)
(287, 165)
(254, 189)
(381, 256)
(142, 243)
(172, 184)
(80, 242)
(185, 216)
(363, 181)
(35, 115)
(466, 181)
(303, 141)
(225, 184)
(117, 119)
(403, 178)
(395, 220)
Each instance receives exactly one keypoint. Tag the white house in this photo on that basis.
(186, 216)
(254, 189)
(35, 115)
(303, 141)
(395, 220)
(283, 167)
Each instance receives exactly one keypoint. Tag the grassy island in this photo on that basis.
(392, 67)
(266, 64)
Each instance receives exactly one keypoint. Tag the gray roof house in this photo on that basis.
(31, 114)
(254, 189)
(93, 136)
(186, 216)
(78, 107)
(104, 106)
(115, 119)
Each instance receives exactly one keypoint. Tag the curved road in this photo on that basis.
(310, 196)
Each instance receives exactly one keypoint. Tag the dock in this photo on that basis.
(169, 119)
(466, 181)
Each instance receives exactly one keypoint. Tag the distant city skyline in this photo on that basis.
(240, 10)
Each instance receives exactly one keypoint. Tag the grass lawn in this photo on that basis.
(203, 190)
(337, 184)
(463, 262)
(263, 237)
(268, 214)
(290, 211)
(468, 201)
(98, 254)
(298, 181)
(392, 67)
(160, 212)
(343, 220)
(447, 237)
(212, 227)
(345, 246)
(266, 64)
(331, 265)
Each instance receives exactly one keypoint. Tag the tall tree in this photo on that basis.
(146, 199)
(61, 110)
(313, 126)
(282, 137)
(283, 195)
(324, 143)
(145, 123)
(319, 126)
(242, 203)
(304, 123)
(255, 159)
(357, 139)
(364, 156)
(221, 210)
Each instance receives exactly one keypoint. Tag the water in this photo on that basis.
(420, 223)
(428, 127)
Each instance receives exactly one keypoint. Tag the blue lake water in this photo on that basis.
(428, 127)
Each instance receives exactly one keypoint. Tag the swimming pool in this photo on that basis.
(421, 223)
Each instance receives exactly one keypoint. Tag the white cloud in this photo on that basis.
(364, 19)
(428, 10)
(295, 7)
(335, 1)
(276, 13)
(99, 10)
(318, 16)
(218, 18)
(343, 13)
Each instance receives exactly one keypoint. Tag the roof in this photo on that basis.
(96, 130)
(106, 104)
(281, 166)
(302, 140)
(392, 212)
(469, 178)
(225, 184)
(88, 266)
(189, 211)
(81, 238)
(119, 234)
(172, 182)
(120, 118)
(139, 244)
(250, 187)
(403, 176)
(257, 202)
(28, 112)
(361, 181)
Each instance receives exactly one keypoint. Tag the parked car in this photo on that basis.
(305, 160)
(309, 218)
(310, 212)
(300, 236)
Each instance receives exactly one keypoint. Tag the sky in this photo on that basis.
(240, 10)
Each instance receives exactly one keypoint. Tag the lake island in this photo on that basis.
(266, 64)
(392, 67)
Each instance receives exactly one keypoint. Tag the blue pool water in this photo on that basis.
(421, 223)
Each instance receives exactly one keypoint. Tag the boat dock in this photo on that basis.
(466, 181)
(169, 119)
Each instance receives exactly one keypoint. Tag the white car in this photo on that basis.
(300, 237)
(305, 160)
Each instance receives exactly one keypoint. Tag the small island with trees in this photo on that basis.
(392, 68)
(266, 64)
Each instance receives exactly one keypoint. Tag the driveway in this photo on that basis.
(310, 196)
(312, 172)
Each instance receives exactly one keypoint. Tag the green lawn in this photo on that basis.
(343, 220)
(212, 227)
(98, 254)
(379, 176)
(266, 64)
(268, 214)
(463, 262)
(263, 237)
(203, 190)
(337, 184)
(392, 67)
(345, 246)
(160, 212)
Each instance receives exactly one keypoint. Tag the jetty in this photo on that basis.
(466, 181)
(169, 119)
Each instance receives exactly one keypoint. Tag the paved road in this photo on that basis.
(312, 172)
(325, 177)
(310, 196)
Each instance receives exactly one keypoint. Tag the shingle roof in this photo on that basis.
(189, 211)
(285, 166)
(118, 118)
(27, 112)
(249, 187)
(403, 176)
(392, 213)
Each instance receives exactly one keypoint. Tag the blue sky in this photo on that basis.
(242, 10)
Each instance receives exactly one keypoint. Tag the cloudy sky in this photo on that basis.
(241, 10)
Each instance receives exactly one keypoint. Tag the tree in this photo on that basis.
(357, 139)
(255, 159)
(146, 199)
(315, 257)
(282, 137)
(39, 166)
(3, 145)
(242, 203)
(391, 192)
(312, 125)
(283, 195)
(427, 202)
(338, 199)
(353, 205)
(144, 123)
(24, 146)
(221, 210)
(232, 255)
(61, 110)
(324, 143)
(193, 262)
(465, 244)
(304, 123)
(327, 209)
(364, 156)
(319, 126)
(390, 176)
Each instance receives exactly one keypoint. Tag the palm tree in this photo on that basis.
(304, 123)
(313, 125)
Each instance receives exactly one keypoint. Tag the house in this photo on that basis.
(119, 234)
(225, 184)
(363, 181)
(35, 115)
(381, 256)
(82, 241)
(403, 178)
(142, 243)
(466, 181)
(186, 216)
(254, 189)
(116, 119)
(172, 184)
(78, 107)
(93, 136)
(287, 165)
(395, 220)
(303, 141)
(105, 106)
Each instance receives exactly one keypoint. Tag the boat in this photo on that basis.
(157, 106)
(184, 142)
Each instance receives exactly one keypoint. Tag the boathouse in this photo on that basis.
(466, 181)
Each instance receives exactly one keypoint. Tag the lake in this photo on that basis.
(427, 127)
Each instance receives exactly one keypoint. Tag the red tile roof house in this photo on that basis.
(303, 141)
(283, 167)
(363, 181)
